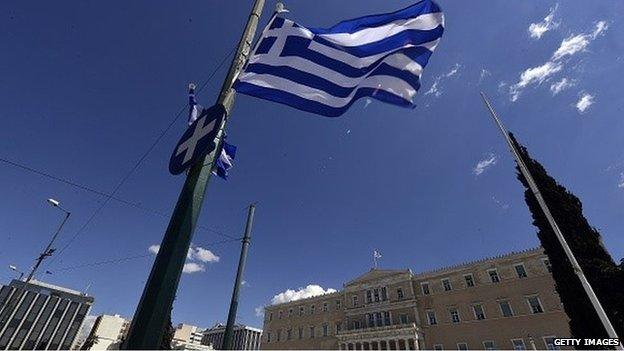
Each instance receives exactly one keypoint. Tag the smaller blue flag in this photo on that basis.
(225, 160)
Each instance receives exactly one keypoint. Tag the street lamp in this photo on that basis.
(48, 251)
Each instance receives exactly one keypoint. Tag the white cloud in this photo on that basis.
(576, 43)
(435, 90)
(484, 164)
(534, 75)
(302, 293)
(561, 85)
(259, 311)
(192, 267)
(195, 254)
(584, 102)
(568, 47)
(621, 182)
(536, 30)
(484, 73)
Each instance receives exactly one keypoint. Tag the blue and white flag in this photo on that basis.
(225, 160)
(324, 71)
(195, 109)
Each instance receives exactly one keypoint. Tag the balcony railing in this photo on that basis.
(395, 326)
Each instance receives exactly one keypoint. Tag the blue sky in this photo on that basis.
(86, 87)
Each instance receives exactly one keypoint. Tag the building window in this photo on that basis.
(279, 335)
(534, 303)
(505, 308)
(478, 312)
(438, 347)
(469, 280)
(356, 324)
(547, 264)
(518, 344)
(384, 294)
(549, 341)
(300, 332)
(454, 315)
(400, 295)
(355, 301)
(371, 320)
(290, 312)
(325, 329)
(462, 346)
(337, 304)
(268, 336)
(431, 317)
(338, 327)
(387, 320)
(301, 310)
(270, 316)
(324, 306)
(279, 314)
(425, 288)
(489, 345)
(494, 276)
(446, 283)
(312, 308)
(520, 271)
(311, 332)
(376, 294)
(404, 319)
(378, 320)
(369, 296)
(289, 334)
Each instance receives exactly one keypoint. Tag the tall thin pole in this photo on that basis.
(229, 328)
(47, 251)
(154, 309)
(553, 224)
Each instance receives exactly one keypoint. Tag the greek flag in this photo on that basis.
(195, 109)
(225, 160)
(324, 71)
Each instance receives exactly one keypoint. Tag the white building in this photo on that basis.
(108, 332)
(244, 338)
(188, 337)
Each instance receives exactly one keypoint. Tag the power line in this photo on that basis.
(100, 193)
(137, 164)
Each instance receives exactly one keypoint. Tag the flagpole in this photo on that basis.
(154, 309)
(228, 335)
(553, 224)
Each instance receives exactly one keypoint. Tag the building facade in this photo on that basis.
(187, 337)
(245, 338)
(41, 316)
(108, 332)
(504, 302)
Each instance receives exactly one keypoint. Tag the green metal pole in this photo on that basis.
(152, 313)
(228, 336)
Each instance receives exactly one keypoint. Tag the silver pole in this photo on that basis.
(575, 266)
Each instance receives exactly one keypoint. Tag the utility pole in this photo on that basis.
(553, 224)
(48, 251)
(156, 301)
(228, 336)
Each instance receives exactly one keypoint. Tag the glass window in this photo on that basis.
(311, 332)
(301, 310)
(355, 301)
(534, 303)
(290, 312)
(279, 335)
(369, 296)
(289, 334)
(404, 318)
(454, 315)
(494, 276)
(337, 304)
(384, 294)
(489, 345)
(479, 312)
(376, 294)
(520, 271)
(469, 280)
(547, 264)
(387, 320)
(325, 306)
(400, 294)
(312, 308)
(356, 324)
(431, 317)
(378, 320)
(325, 330)
(371, 320)
(518, 344)
(549, 341)
(462, 346)
(279, 314)
(505, 308)
(268, 336)
(425, 288)
(300, 332)
(338, 327)
(447, 284)
(270, 316)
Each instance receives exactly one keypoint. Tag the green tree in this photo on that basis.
(604, 275)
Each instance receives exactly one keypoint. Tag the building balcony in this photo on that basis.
(387, 337)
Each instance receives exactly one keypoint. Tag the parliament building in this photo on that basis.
(504, 302)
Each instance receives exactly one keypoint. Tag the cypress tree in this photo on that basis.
(604, 275)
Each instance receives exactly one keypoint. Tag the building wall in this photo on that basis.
(409, 319)
(109, 330)
(42, 316)
(244, 338)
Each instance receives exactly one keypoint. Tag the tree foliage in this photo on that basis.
(604, 275)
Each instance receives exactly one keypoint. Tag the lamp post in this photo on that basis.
(48, 251)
